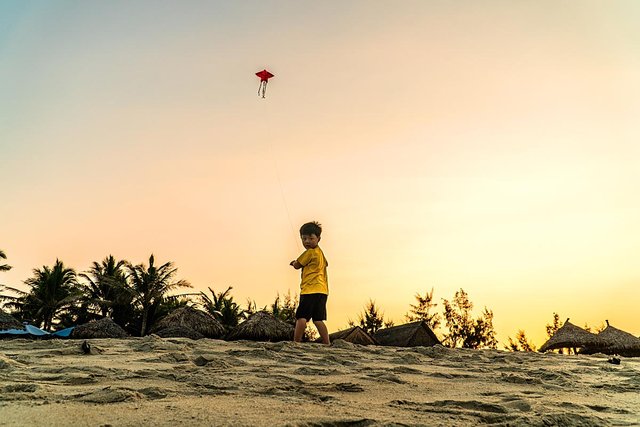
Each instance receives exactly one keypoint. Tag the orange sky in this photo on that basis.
(491, 147)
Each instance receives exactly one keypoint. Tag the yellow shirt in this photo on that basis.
(314, 272)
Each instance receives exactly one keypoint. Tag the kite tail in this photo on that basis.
(263, 88)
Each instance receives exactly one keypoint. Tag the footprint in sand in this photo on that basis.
(108, 395)
(608, 409)
(490, 413)
(406, 370)
(153, 393)
(80, 380)
(315, 371)
(281, 379)
(407, 359)
(20, 388)
(517, 404)
(473, 405)
(512, 401)
(519, 379)
(334, 360)
(468, 407)
(7, 363)
(349, 387)
(572, 419)
(385, 377)
(173, 357)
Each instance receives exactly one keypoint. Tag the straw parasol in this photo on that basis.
(408, 335)
(355, 335)
(8, 322)
(178, 331)
(103, 328)
(619, 342)
(571, 336)
(262, 326)
(197, 320)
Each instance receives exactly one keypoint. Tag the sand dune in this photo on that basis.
(144, 381)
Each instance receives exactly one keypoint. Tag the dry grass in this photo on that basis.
(262, 326)
(572, 336)
(9, 322)
(103, 328)
(619, 342)
(408, 335)
(196, 320)
(355, 335)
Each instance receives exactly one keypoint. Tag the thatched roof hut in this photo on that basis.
(408, 335)
(619, 342)
(192, 318)
(9, 322)
(178, 331)
(355, 335)
(571, 336)
(103, 328)
(262, 326)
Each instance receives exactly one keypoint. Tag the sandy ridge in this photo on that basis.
(210, 382)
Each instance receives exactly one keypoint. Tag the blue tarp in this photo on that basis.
(37, 332)
(13, 332)
(63, 333)
(32, 330)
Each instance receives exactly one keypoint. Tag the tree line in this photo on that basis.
(461, 328)
(136, 296)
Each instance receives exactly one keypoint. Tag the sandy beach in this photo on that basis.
(156, 381)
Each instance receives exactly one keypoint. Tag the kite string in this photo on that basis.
(284, 199)
(277, 170)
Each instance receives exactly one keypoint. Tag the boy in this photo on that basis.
(314, 287)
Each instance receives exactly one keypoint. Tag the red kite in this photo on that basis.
(264, 79)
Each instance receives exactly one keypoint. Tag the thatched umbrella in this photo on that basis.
(8, 322)
(178, 331)
(103, 328)
(571, 336)
(197, 320)
(619, 342)
(355, 335)
(408, 335)
(262, 326)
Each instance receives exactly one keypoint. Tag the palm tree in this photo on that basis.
(52, 291)
(4, 267)
(150, 284)
(222, 307)
(106, 282)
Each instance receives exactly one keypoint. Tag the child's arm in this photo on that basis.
(302, 260)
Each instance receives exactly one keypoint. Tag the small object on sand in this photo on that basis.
(86, 347)
(614, 360)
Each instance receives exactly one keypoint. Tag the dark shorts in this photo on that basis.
(312, 306)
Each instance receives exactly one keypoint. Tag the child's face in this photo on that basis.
(309, 241)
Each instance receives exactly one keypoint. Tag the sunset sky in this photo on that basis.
(491, 146)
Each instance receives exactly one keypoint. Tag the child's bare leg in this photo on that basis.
(301, 325)
(322, 330)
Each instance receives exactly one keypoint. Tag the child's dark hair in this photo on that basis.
(309, 228)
